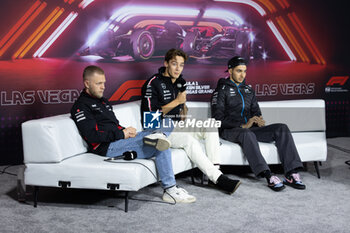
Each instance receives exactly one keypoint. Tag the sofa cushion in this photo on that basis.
(51, 139)
(311, 146)
(128, 114)
(91, 171)
(299, 115)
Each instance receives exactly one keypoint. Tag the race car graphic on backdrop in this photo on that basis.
(214, 33)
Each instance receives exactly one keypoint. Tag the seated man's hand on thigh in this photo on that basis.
(260, 121)
(129, 132)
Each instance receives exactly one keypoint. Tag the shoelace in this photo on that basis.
(177, 191)
(296, 177)
(275, 180)
(181, 190)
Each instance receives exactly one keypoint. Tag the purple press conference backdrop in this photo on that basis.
(294, 53)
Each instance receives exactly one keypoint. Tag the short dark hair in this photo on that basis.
(236, 61)
(172, 53)
(90, 70)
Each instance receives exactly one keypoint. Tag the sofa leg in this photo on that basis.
(305, 166)
(317, 170)
(36, 190)
(126, 201)
(192, 176)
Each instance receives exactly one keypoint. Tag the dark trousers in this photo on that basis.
(248, 140)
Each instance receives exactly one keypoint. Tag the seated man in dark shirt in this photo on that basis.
(98, 125)
(235, 105)
(163, 92)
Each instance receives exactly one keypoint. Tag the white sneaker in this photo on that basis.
(177, 195)
(157, 140)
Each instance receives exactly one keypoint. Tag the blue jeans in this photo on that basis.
(163, 158)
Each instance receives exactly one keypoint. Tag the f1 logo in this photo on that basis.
(341, 80)
(151, 120)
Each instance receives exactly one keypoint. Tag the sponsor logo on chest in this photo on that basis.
(232, 92)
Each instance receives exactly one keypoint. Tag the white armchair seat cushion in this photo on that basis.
(311, 146)
(90, 171)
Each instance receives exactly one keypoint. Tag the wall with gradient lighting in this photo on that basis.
(294, 52)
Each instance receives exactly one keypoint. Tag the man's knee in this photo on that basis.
(237, 135)
(246, 134)
(163, 154)
(281, 127)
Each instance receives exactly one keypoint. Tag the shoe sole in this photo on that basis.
(294, 186)
(159, 144)
(211, 184)
(170, 200)
(277, 189)
(236, 187)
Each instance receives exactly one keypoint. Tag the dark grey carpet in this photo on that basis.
(323, 207)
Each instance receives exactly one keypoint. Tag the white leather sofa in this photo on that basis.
(55, 155)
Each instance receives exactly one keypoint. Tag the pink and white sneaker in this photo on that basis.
(275, 184)
(294, 181)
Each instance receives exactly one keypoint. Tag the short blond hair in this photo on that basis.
(90, 70)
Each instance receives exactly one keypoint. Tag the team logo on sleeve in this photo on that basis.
(152, 120)
(79, 115)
